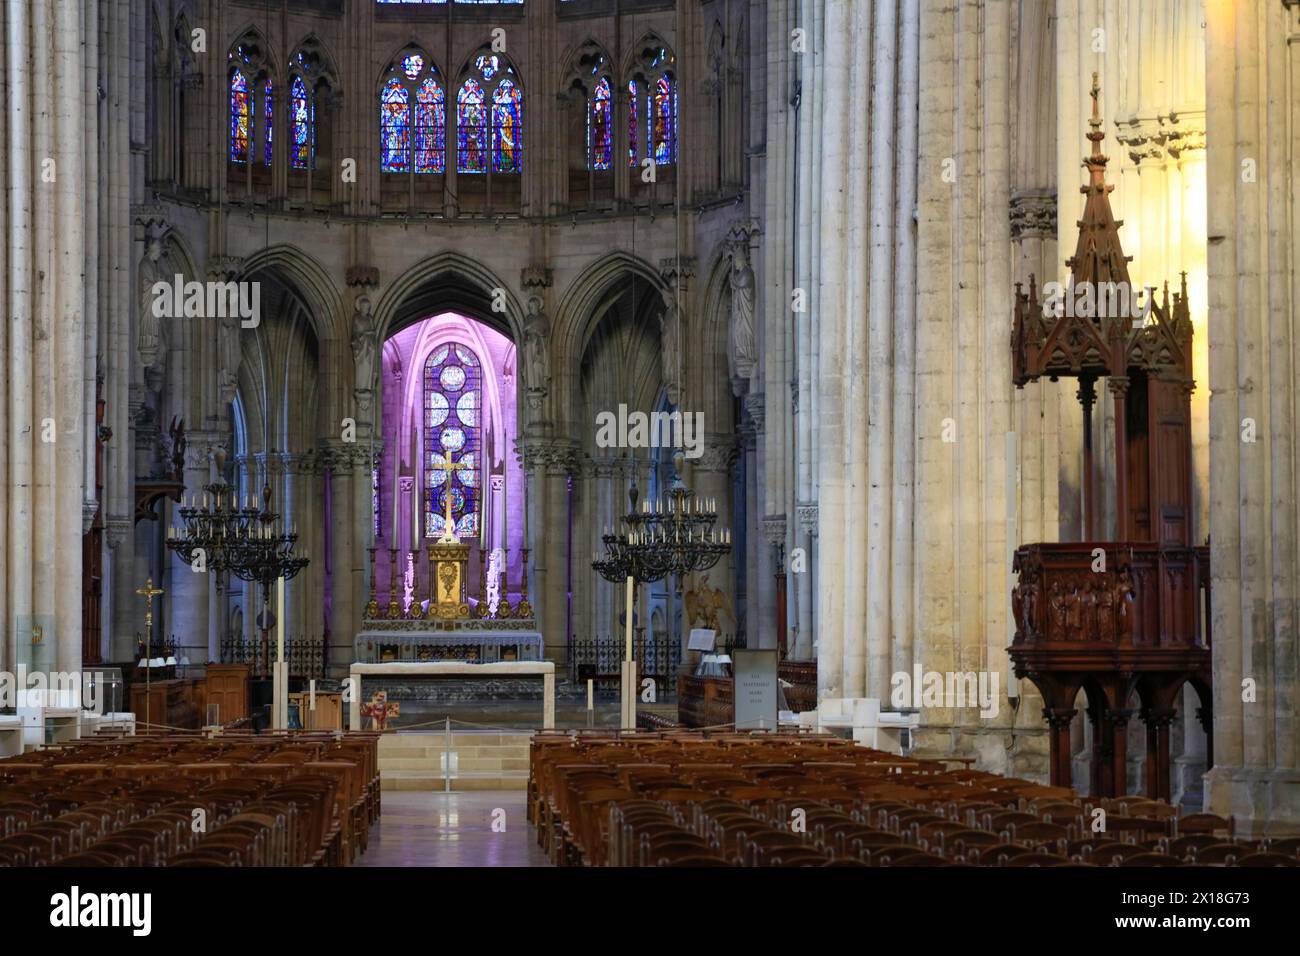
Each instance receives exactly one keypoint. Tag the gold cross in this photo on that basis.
(150, 592)
(449, 531)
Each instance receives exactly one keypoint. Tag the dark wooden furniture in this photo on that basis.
(227, 686)
(177, 704)
(1114, 617)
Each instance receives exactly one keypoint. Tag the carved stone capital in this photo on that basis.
(116, 529)
(808, 519)
(718, 454)
(774, 531)
(756, 409)
(224, 268)
(673, 268)
(532, 278)
(88, 511)
(556, 456)
(366, 277)
(1033, 216)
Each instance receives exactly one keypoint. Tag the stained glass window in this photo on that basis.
(241, 118)
(441, 2)
(430, 126)
(488, 65)
(395, 128)
(453, 380)
(267, 102)
(631, 122)
(600, 128)
(663, 122)
(302, 153)
(471, 129)
(412, 64)
(507, 129)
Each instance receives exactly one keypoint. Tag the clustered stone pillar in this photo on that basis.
(51, 246)
(1252, 59)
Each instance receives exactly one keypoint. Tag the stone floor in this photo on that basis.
(430, 828)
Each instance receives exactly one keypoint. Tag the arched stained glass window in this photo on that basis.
(241, 118)
(302, 150)
(413, 117)
(395, 128)
(471, 128)
(663, 121)
(507, 129)
(453, 397)
(268, 101)
(430, 126)
(600, 127)
(631, 122)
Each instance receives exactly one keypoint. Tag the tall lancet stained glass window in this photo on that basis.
(507, 129)
(395, 128)
(453, 397)
(302, 105)
(600, 127)
(631, 122)
(471, 128)
(268, 101)
(430, 135)
(241, 117)
(663, 121)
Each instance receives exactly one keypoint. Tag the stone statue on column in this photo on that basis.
(670, 337)
(149, 336)
(744, 346)
(536, 352)
(365, 347)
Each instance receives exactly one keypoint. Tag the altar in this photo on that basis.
(474, 640)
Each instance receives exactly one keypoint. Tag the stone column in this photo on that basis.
(1252, 97)
(189, 595)
(547, 464)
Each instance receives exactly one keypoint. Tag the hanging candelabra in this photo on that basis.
(674, 534)
(245, 539)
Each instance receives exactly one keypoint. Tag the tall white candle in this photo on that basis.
(590, 682)
(628, 615)
(279, 619)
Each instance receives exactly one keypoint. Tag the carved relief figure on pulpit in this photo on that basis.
(1088, 610)
(1124, 596)
(1056, 602)
(1106, 614)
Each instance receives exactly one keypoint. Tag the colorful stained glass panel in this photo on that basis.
(453, 389)
(395, 128)
(241, 118)
(507, 129)
(471, 129)
(430, 127)
(600, 128)
(302, 154)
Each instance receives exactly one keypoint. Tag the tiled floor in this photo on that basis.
(429, 828)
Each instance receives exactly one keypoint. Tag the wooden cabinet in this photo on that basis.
(328, 714)
(227, 688)
(169, 703)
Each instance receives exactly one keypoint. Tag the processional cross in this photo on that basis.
(150, 592)
(449, 530)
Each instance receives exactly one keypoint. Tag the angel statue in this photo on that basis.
(704, 604)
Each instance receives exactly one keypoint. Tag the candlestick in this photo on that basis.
(628, 614)
(279, 621)
(394, 609)
(590, 693)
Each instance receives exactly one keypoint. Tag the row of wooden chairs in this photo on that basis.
(234, 800)
(776, 799)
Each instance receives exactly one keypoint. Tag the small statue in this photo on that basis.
(705, 603)
(177, 432)
(742, 309)
(1056, 601)
(363, 346)
(495, 562)
(670, 346)
(537, 334)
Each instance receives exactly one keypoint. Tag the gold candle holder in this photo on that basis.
(483, 609)
(394, 606)
(433, 586)
(523, 609)
(372, 606)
